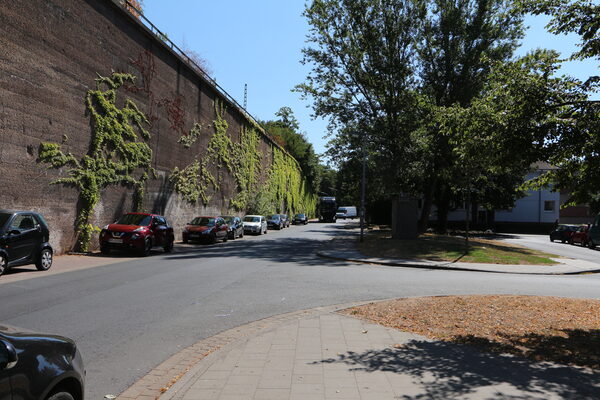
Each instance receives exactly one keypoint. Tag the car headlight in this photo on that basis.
(141, 228)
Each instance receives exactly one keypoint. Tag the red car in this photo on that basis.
(206, 229)
(137, 231)
(581, 235)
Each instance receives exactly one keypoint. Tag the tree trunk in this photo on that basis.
(443, 206)
(427, 203)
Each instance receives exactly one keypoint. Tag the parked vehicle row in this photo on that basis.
(574, 234)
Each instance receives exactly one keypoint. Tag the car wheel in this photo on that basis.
(3, 264)
(213, 238)
(225, 237)
(591, 244)
(571, 241)
(61, 396)
(147, 248)
(184, 240)
(241, 234)
(168, 246)
(552, 240)
(44, 260)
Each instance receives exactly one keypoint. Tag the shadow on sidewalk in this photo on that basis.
(445, 370)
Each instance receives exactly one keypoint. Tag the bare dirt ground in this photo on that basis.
(561, 330)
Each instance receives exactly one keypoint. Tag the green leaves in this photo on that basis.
(115, 156)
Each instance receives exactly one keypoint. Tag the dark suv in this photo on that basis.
(137, 231)
(38, 366)
(24, 237)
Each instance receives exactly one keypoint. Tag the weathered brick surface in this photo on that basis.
(50, 53)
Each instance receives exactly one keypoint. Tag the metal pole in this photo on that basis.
(362, 188)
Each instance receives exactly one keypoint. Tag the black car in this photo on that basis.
(563, 233)
(285, 219)
(274, 222)
(38, 366)
(300, 219)
(24, 237)
(236, 227)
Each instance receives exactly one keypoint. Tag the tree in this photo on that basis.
(285, 132)
(135, 7)
(363, 80)
(461, 41)
(576, 151)
(514, 122)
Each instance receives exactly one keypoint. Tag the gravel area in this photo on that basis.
(554, 329)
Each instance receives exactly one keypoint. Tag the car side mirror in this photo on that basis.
(8, 355)
(14, 232)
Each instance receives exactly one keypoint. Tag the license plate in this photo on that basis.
(111, 240)
(194, 235)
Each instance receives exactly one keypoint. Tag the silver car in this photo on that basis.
(256, 224)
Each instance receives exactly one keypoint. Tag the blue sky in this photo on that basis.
(259, 43)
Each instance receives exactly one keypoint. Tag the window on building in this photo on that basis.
(549, 205)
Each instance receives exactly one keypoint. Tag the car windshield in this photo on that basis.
(299, 215)
(228, 220)
(251, 219)
(3, 218)
(203, 221)
(135, 219)
(273, 217)
(341, 210)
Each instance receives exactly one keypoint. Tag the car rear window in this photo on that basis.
(135, 219)
(203, 221)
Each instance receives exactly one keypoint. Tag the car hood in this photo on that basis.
(26, 335)
(124, 228)
(251, 223)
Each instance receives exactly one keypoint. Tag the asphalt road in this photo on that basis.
(128, 317)
(542, 243)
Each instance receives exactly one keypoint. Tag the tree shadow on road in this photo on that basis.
(301, 249)
(446, 371)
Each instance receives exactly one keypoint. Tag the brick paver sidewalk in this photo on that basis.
(333, 356)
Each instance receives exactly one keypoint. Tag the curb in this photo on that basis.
(447, 267)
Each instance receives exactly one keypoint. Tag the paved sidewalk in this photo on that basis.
(333, 356)
(345, 249)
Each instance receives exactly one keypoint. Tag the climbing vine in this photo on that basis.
(116, 156)
(284, 188)
(189, 139)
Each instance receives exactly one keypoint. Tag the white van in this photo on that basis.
(345, 212)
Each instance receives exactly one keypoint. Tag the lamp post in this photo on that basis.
(362, 186)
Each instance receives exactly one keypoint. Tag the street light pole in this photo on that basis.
(362, 187)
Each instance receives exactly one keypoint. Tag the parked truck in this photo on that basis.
(327, 209)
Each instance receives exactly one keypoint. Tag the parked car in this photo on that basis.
(24, 239)
(206, 229)
(285, 220)
(580, 235)
(300, 219)
(274, 222)
(236, 226)
(346, 212)
(562, 233)
(256, 224)
(39, 366)
(139, 232)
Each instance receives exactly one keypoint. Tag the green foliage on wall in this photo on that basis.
(189, 139)
(115, 155)
(283, 190)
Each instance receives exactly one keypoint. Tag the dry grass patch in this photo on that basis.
(451, 248)
(554, 329)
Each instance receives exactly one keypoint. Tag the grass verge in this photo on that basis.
(450, 248)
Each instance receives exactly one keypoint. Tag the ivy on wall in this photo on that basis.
(116, 154)
(283, 190)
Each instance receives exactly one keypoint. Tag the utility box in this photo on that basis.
(405, 217)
